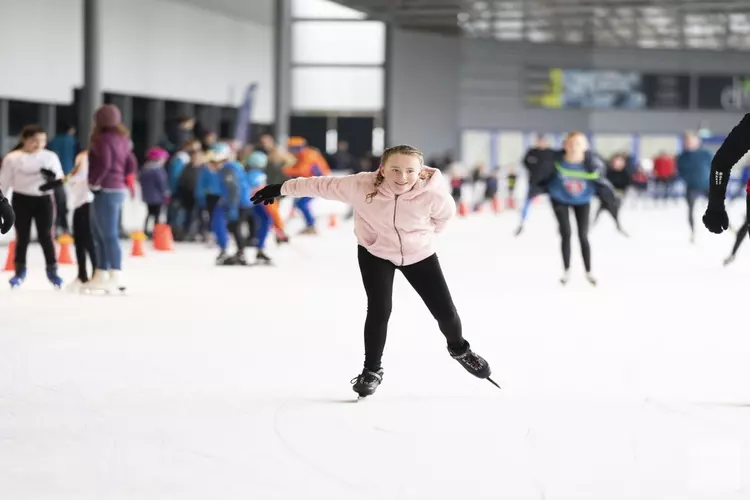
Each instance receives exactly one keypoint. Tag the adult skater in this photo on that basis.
(572, 187)
(398, 209)
(22, 173)
(734, 147)
(540, 163)
(694, 166)
(620, 178)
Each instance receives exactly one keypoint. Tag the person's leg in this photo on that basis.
(582, 221)
(691, 196)
(84, 240)
(61, 208)
(22, 206)
(99, 216)
(426, 277)
(563, 224)
(377, 278)
(303, 204)
(44, 220)
(263, 224)
(219, 228)
(115, 199)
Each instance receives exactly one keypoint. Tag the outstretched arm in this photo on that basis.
(346, 188)
(734, 147)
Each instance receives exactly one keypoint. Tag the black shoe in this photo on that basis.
(473, 362)
(262, 259)
(367, 382)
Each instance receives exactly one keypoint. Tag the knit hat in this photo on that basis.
(257, 159)
(108, 116)
(156, 154)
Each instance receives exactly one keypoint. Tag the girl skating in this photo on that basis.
(397, 209)
(572, 187)
(24, 170)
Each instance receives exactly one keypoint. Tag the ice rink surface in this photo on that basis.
(233, 383)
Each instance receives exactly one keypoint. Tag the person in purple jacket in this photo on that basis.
(154, 185)
(112, 168)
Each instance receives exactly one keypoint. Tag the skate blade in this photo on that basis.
(493, 383)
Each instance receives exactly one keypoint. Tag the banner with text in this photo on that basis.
(724, 92)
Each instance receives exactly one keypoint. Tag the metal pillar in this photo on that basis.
(388, 86)
(155, 123)
(186, 109)
(283, 68)
(48, 118)
(92, 96)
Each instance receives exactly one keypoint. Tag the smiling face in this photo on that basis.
(401, 172)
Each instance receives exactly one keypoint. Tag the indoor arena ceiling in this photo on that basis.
(691, 24)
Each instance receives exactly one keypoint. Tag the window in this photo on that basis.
(333, 42)
(337, 89)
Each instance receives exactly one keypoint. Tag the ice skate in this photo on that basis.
(115, 281)
(223, 259)
(473, 363)
(53, 277)
(99, 282)
(590, 278)
(519, 231)
(565, 277)
(18, 279)
(239, 259)
(729, 260)
(76, 286)
(367, 383)
(310, 230)
(262, 259)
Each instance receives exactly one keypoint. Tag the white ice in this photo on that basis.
(227, 383)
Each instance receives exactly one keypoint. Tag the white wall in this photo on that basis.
(41, 45)
(151, 48)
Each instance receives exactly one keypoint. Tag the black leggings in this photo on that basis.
(235, 227)
(582, 221)
(40, 210)
(84, 240)
(426, 277)
(154, 212)
(691, 196)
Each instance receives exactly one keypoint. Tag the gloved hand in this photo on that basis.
(48, 174)
(7, 215)
(52, 184)
(716, 219)
(267, 195)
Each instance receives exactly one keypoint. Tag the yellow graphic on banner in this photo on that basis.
(552, 97)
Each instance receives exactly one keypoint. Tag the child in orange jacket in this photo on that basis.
(310, 163)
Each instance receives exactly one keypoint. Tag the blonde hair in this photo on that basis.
(403, 149)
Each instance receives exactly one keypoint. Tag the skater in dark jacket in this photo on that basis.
(398, 209)
(540, 163)
(619, 178)
(734, 147)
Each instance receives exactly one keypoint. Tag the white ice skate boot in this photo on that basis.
(99, 282)
(565, 277)
(115, 281)
(76, 286)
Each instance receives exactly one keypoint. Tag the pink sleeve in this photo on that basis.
(444, 209)
(346, 188)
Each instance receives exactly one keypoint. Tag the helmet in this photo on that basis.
(219, 152)
(257, 159)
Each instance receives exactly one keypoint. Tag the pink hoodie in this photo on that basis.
(396, 228)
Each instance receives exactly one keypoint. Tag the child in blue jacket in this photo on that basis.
(256, 178)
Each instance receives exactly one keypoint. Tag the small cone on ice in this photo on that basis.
(463, 210)
(65, 257)
(497, 205)
(138, 247)
(333, 221)
(163, 240)
(10, 263)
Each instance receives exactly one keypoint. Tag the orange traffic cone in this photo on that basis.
(333, 221)
(10, 263)
(462, 209)
(65, 256)
(497, 206)
(138, 249)
(163, 239)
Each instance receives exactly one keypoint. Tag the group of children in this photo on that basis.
(218, 184)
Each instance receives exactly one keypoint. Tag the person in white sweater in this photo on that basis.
(81, 198)
(22, 174)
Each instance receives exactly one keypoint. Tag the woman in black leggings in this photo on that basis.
(24, 170)
(572, 187)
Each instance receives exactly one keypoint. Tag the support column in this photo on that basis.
(92, 96)
(4, 127)
(155, 123)
(48, 119)
(283, 68)
(186, 109)
(388, 87)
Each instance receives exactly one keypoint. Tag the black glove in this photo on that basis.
(716, 219)
(7, 215)
(267, 195)
(48, 174)
(50, 185)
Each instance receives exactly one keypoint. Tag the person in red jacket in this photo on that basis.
(310, 163)
(665, 173)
